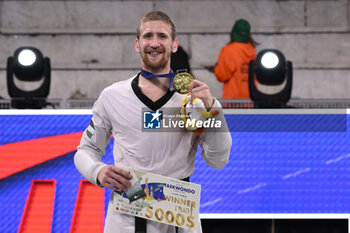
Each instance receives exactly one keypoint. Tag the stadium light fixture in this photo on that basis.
(28, 65)
(270, 68)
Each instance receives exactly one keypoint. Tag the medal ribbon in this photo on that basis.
(169, 75)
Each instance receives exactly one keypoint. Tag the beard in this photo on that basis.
(155, 65)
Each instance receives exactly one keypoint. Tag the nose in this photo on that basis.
(155, 42)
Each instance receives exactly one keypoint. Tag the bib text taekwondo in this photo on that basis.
(171, 119)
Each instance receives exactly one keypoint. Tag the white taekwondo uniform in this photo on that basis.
(118, 112)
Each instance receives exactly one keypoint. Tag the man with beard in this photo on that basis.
(118, 111)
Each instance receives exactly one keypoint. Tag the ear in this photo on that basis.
(137, 46)
(175, 45)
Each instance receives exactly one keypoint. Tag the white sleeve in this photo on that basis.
(216, 146)
(88, 158)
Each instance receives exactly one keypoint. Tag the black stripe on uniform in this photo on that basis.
(154, 106)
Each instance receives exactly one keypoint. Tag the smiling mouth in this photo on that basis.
(154, 53)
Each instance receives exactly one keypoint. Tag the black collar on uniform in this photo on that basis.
(147, 101)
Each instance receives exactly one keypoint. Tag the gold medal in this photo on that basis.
(181, 82)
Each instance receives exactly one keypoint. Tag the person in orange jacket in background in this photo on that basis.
(232, 67)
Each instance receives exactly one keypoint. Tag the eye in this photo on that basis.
(147, 35)
(163, 36)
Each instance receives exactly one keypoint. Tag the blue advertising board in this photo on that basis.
(290, 161)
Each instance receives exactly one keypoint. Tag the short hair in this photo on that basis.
(157, 16)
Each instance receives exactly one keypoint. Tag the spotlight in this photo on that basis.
(28, 65)
(272, 69)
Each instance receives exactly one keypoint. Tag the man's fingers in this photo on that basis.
(201, 90)
(114, 184)
(121, 172)
(110, 186)
(123, 179)
(120, 175)
(193, 84)
(118, 185)
(198, 87)
(117, 179)
(114, 178)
